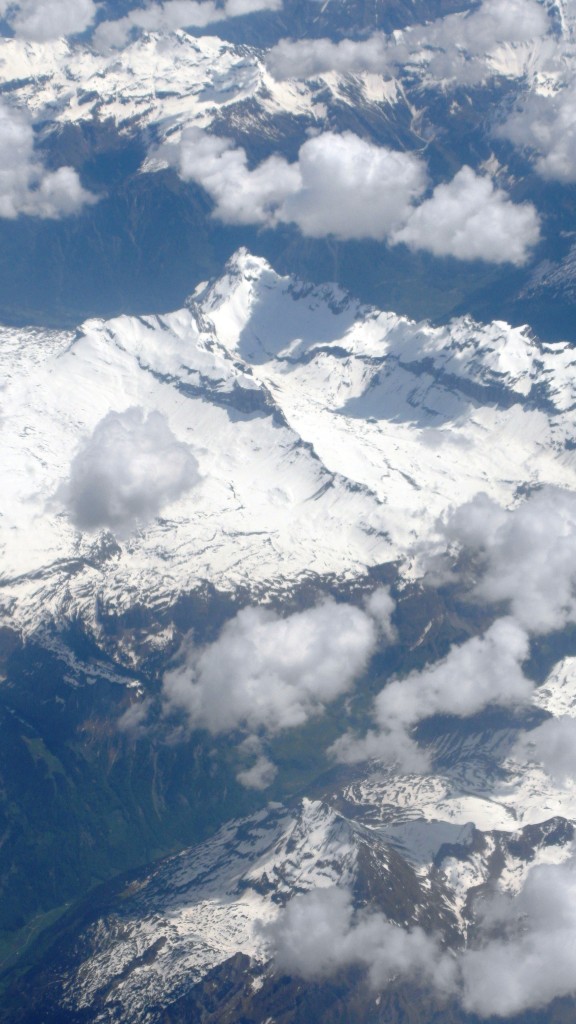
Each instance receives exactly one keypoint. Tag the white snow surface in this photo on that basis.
(163, 80)
(196, 910)
(558, 694)
(329, 437)
(170, 80)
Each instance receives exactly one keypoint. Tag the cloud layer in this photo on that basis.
(127, 471)
(346, 187)
(525, 557)
(482, 672)
(552, 745)
(471, 219)
(454, 47)
(319, 933)
(265, 672)
(175, 14)
(546, 125)
(39, 21)
(26, 187)
(525, 946)
(533, 960)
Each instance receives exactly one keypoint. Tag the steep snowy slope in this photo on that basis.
(197, 910)
(317, 425)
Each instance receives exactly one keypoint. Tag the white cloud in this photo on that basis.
(175, 14)
(129, 468)
(262, 772)
(454, 47)
(272, 673)
(260, 775)
(380, 605)
(547, 126)
(534, 960)
(340, 185)
(492, 23)
(481, 672)
(525, 557)
(40, 21)
(26, 187)
(351, 188)
(134, 721)
(525, 953)
(242, 196)
(553, 745)
(306, 58)
(470, 219)
(344, 186)
(318, 933)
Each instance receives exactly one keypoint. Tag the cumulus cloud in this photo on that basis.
(525, 557)
(262, 772)
(471, 219)
(347, 187)
(546, 125)
(175, 14)
(266, 672)
(241, 195)
(491, 24)
(319, 933)
(351, 188)
(40, 21)
(534, 959)
(340, 185)
(306, 58)
(484, 671)
(134, 721)
(26, 187)
(553, 745)
(451, 46)
(129, 468)
(525, 945)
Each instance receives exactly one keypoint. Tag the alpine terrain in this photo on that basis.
(288, 512)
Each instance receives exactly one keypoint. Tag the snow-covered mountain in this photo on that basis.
(203, 507)
(109, 113)
(425, 851)
(317, 425)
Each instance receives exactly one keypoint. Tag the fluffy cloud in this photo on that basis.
(175, 14)
(319, 933)
(553, 745)
(241, 196)
(450, 45)
(40, 21)
(273, 673)
(525, 945)
(262, 772)
(494, 22)
(547, 126)
(344, 186)
(471, 219)
(351, 188)
(26, 187)
(306, 58)
(534, 960)
(340, 185)
(129, 468)
(483, 671)
(525, 557)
